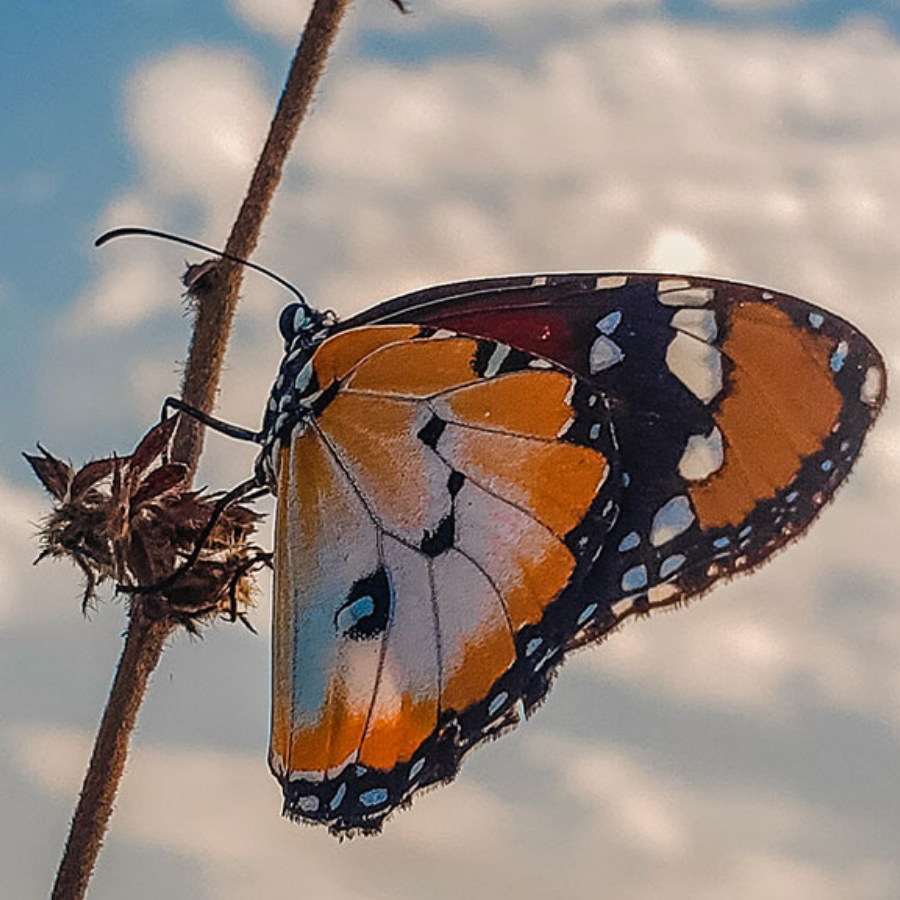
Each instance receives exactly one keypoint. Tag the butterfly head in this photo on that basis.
(304, 327)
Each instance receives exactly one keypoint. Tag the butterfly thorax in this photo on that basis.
(296, 394)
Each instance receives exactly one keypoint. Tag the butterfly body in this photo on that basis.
(475, 479)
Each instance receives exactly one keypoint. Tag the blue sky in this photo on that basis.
(746, 747)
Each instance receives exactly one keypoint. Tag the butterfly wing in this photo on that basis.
(738, 412)
(440, 503)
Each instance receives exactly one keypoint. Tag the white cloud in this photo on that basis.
(752, 5)
(197, 119)
(686, 840)
(27, 590)
(286, 20)
(768, 153)
(510, 10)
(221, 811)
(654, 832)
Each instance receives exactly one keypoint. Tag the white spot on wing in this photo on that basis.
(608, 324)
(610, 282)
(671, 564)
(497, 703)
(501, 351)
(703, 455)
(671, 519)
(688, 297)
(373, 797)
(605, 353)
(872, 387)
(672, 284)
(661, 592)
(696, 364)
(699, 322)
(338, 797)
(635, 578)
(839, 357)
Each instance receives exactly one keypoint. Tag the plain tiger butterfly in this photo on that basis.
(474, 479)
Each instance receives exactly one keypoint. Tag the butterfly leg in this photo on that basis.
(249, 489)
(226, 428)
(260, 559)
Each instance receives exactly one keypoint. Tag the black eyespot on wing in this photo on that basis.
(441, 539)
(430, 433)
(455, 482)
(367, 610)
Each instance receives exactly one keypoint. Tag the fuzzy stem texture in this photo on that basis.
(146, 637)
(215, 308)
(144, 643)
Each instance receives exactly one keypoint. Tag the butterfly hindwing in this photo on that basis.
(441, 500)
(738, 412)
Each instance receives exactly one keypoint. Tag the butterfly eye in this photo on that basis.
(286, 321)
(294, 318)
(366, 612)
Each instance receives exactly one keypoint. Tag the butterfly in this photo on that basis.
(475, 479)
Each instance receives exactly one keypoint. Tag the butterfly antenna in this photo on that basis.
(114, 233)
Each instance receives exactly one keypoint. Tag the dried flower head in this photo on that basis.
(136, 521)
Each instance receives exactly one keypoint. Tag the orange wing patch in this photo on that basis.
(520, 555)
(416, 368)
(476, 639)
(794, 396)
(343, 352)
(555, 482)
(375, 438)
(407, 697)
(527, 403)
(324, 542)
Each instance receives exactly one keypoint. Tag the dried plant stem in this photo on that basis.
(143, 647)
(215, 313)
(146, 637)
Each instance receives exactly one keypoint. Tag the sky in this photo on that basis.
(747, 746)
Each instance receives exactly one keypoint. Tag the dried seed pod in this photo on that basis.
(136, 521)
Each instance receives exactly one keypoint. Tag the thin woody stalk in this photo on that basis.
(215, 311)
(216, 303)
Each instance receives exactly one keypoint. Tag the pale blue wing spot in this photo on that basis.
(671, 564)
(374, 797)
(608, 324)
(635, 579)
(338, 797)
(671, 519)
(605, 353)
(839, 357)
